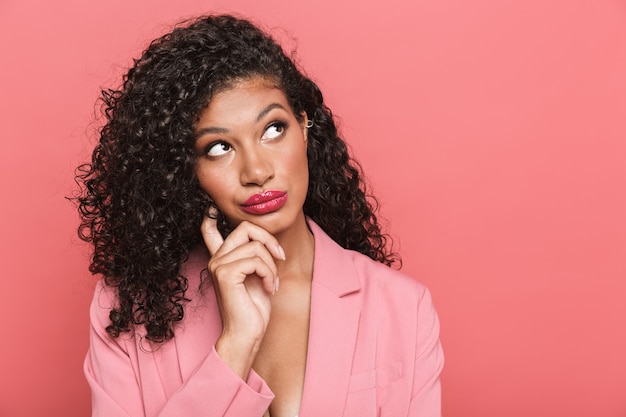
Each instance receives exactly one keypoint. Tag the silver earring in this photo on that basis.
(309, 124)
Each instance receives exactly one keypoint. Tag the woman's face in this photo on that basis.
(252, 157)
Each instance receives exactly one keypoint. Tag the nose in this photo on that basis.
(256, 166)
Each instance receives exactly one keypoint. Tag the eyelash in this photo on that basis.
(278, 124)
(211, 145)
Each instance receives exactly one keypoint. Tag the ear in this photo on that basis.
(304, 124)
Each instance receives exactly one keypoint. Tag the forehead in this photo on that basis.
(242, 100)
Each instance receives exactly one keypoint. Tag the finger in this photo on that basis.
(242, 270)
(247, 250)
(211, 236)
(247, 232)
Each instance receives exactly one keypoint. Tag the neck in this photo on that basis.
(299, 246)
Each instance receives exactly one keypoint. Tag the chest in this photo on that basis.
(281, 360)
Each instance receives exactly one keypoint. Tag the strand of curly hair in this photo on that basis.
(140, 202)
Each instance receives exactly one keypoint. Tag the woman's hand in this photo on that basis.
(244, 276)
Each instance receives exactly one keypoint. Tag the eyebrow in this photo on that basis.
(261, 115)
(268, 109)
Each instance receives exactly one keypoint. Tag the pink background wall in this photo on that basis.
(493, 131)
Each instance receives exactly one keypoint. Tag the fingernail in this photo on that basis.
(276, 284)
(282, 252)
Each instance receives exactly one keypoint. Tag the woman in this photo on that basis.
(245, 272)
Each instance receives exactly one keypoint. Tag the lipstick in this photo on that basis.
(266, 202)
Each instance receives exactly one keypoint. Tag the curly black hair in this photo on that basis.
(140, 202)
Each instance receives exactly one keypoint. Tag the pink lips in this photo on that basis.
(265, 202)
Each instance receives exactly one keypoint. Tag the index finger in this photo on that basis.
(211, 236)
(247, 232)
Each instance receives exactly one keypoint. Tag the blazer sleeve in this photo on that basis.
(426, 388)
(213, 389)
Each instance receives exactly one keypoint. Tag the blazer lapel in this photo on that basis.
(333, 329)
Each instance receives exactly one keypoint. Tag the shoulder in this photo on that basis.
(105, 297)
(390, 287)
(347, 271)
(382, 275)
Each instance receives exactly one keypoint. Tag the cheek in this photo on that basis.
(219, 192)
(210, 183)
(297, 162)
(299, 171)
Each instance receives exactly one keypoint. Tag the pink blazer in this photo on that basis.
(373, 350)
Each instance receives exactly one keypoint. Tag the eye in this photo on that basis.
(218, 149)
(274, 130)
